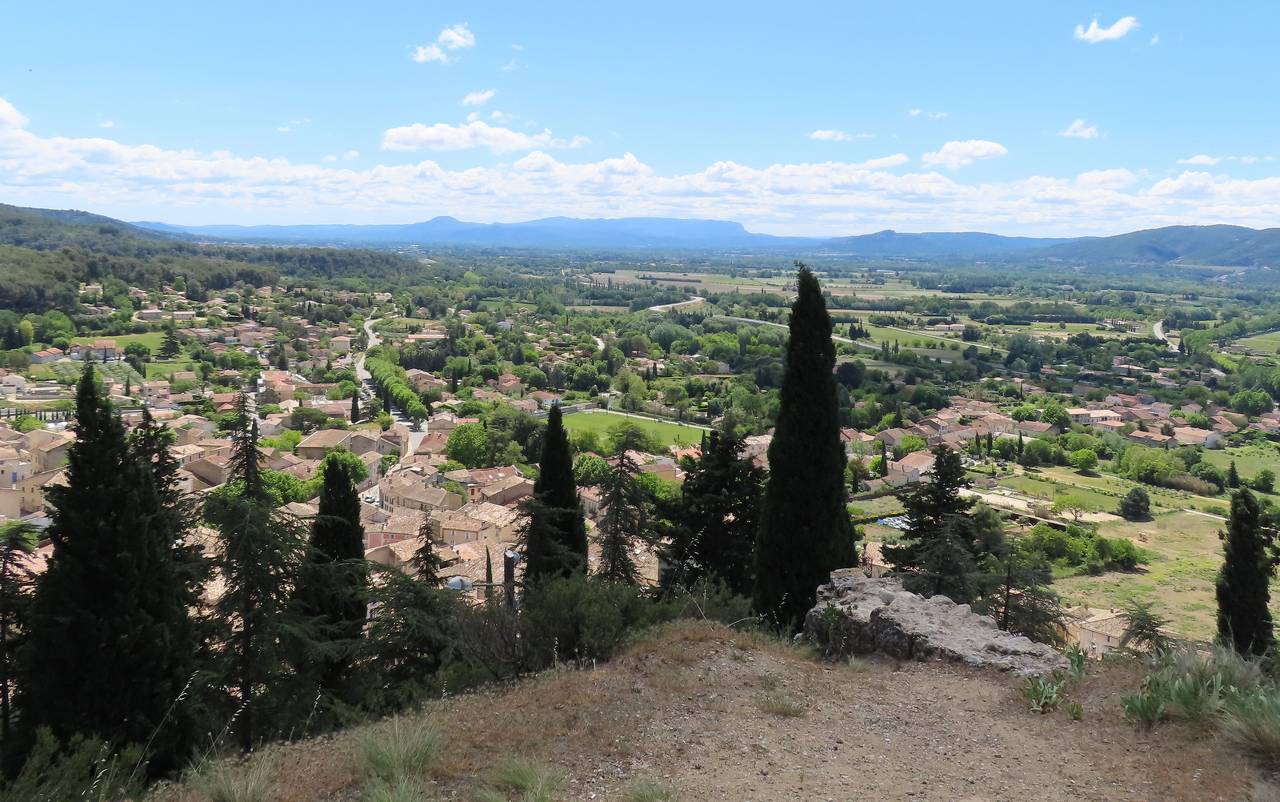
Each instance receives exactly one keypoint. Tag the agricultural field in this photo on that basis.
(664, 432)
(1265, 343)
(1186, 555)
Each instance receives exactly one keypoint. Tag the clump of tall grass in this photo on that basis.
(647, 789)
(403, 748)
(1215, 689)
(251, 780)
(519, 779)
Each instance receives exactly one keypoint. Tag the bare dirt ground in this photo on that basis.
(719, 715)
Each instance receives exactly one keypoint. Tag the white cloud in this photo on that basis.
(1080, 130)
(832, 135)
(141, 181)
(1201, 159)
(1155, 40)
(455, 37)
(1095, 33)
(107, 124)
(11, 117)
(932, 115)
(351, 154)
(954, 155)
(284, 129)
(1107, 179)
(479, 98)
(473, 134)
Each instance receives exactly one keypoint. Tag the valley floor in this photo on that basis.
(718, 715)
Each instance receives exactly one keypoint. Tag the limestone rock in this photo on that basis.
(858, 615)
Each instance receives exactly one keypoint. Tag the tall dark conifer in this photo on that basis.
(333, 586)
(938, 552)
(715, 520)
(555, 538)
(111, 644)
(18, 540)
(1249, 561)
(804, 530)
(261, 549)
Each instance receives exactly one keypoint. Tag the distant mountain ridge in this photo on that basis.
(623, 233)
(1214, 245)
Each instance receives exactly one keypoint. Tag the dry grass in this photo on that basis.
(780, 704)
(647, 789)
(598, 734)
(402, 748)
(251, 780)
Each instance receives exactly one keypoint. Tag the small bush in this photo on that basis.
(584, 619)
(84, 770)
(1075, 710)
(779, 704)
(251, 780)
(401, 749)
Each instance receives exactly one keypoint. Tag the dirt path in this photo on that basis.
(718, 715)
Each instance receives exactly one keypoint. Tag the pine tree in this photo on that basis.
(715, 520)
(625, 517)
(938, 551)
(1233, 475)
(555, 538)
(1249, 561)
(804, 529)
(333, 586)
(111, 644)
(261, 549)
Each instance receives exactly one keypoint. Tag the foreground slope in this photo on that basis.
(719, 715)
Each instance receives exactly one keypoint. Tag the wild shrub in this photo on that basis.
(85, 770)
(250, 780)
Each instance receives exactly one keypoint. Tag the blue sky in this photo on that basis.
(1023, 118)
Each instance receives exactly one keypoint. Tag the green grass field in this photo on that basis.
(1267, 343)
(1248, 459)
(664, 432)
(151, 339)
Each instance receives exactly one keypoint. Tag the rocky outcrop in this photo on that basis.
(858, 615)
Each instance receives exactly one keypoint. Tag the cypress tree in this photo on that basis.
(112, 645)
(804, 530)
(355, 407)
(333, 585)
(555, 538)
(1249, 560)
(1233, 475)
